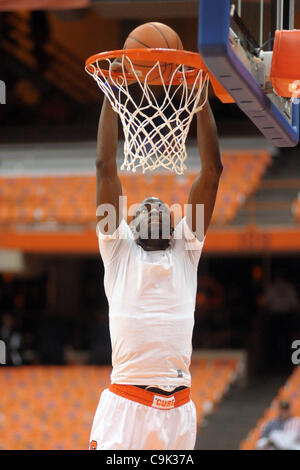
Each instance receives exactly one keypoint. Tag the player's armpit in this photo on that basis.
(116, 244)
(185, 241)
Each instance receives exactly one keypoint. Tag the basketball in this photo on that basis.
(153, 35)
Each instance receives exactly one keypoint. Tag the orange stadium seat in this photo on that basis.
(70, 199)
(53, 407)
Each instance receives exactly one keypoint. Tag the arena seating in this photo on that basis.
(241, 176)
(291, 392)
(52, 407)
(70, 199)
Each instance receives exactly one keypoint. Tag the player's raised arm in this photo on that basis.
(205, 186)
(108, 185)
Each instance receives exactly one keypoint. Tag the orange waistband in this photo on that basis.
(155, 400)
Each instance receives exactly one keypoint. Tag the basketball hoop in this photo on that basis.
(155, 131)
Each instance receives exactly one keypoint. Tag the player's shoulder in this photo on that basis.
(295, 420)
(117, 245)
(121, 232)
(182, 232)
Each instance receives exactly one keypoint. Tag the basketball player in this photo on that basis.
(150, 283)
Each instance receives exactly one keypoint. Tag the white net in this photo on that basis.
(155, 129)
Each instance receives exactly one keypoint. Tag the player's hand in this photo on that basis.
(190, 85)
(116, 66)
(120, 68)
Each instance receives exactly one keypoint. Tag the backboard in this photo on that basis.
(238, 51)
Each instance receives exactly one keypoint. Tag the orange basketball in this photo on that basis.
(153, 35)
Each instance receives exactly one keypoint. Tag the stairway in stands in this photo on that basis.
(237, 414)
(272, 203)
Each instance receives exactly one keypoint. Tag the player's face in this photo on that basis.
(152, 224)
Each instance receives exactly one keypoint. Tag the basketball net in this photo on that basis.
(155, 131)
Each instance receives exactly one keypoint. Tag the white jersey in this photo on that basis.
(151, 296)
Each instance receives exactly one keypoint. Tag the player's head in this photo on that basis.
(151, 224)
(284, 409)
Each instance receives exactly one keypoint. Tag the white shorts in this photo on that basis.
(123, 424)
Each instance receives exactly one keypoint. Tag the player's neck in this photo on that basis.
(153, 245)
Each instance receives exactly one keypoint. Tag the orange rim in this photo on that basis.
(189, 59)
